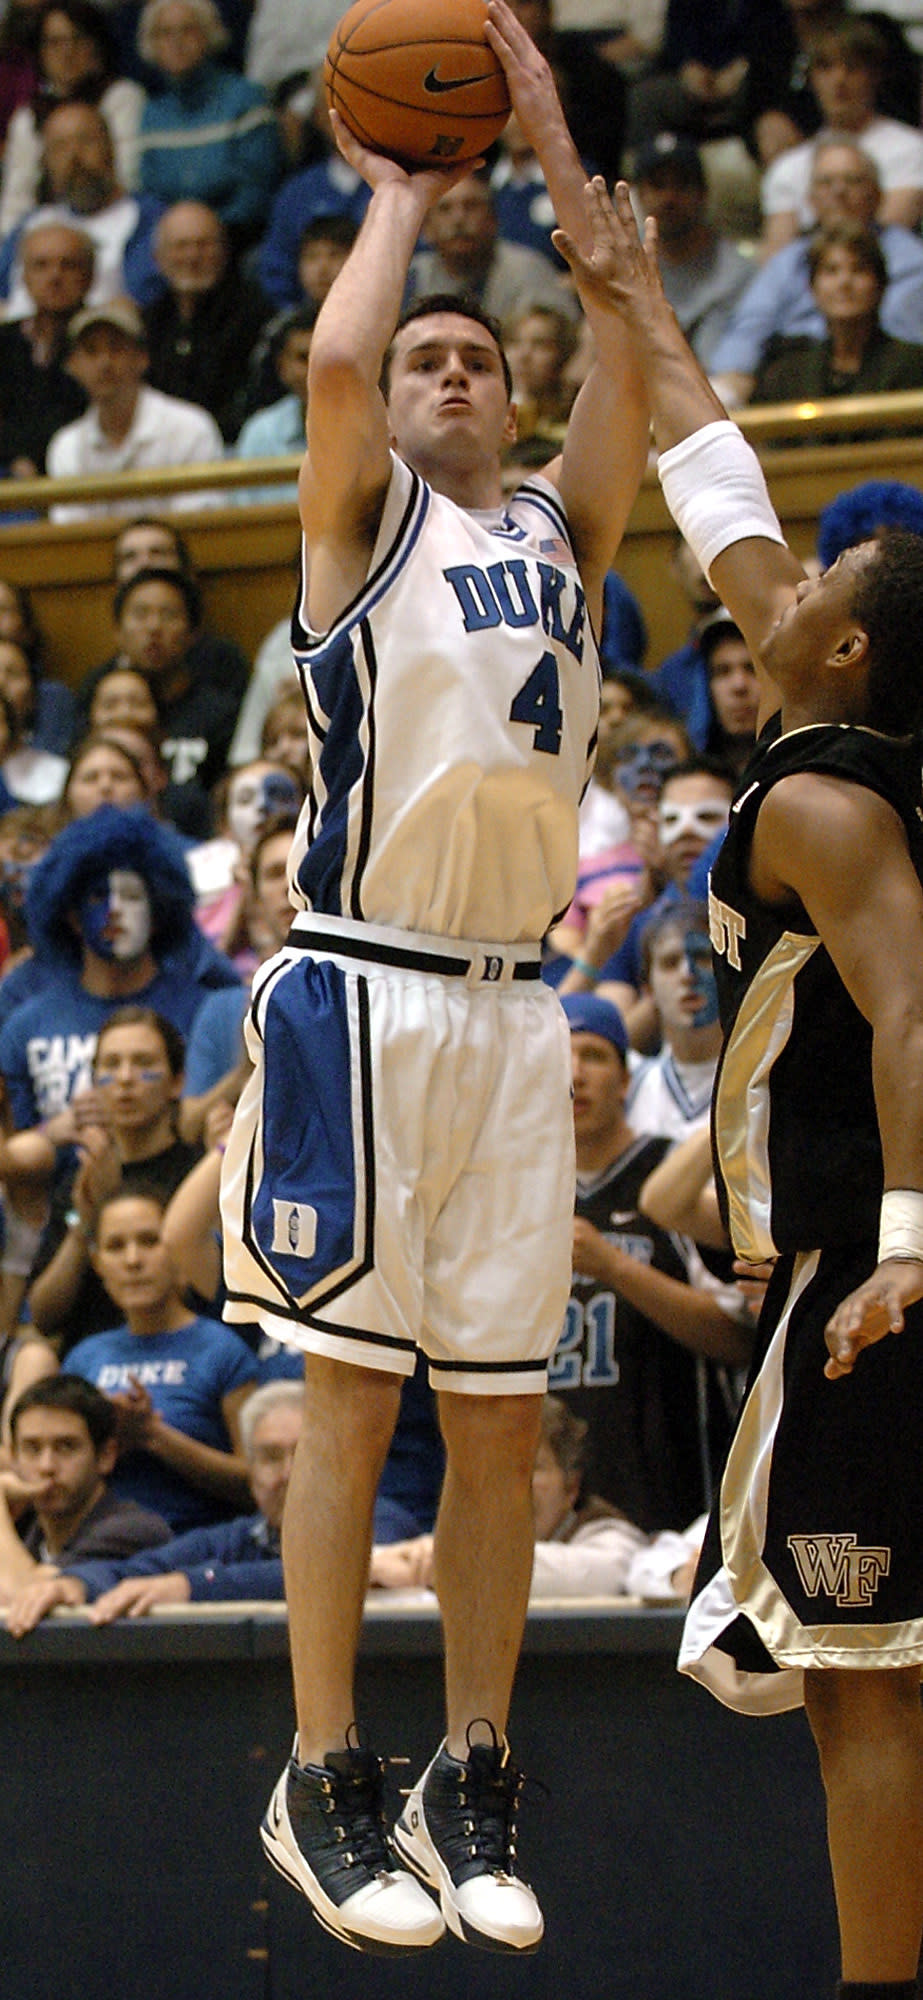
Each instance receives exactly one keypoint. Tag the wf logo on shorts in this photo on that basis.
(294, 1228)
(833, 1565)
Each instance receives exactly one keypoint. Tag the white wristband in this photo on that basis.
(714, 487)
(900, 1230)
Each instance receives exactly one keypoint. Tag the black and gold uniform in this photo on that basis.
(813, 1555)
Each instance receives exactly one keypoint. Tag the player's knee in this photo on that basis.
(845, 1707)
(342, 1399)
(491, 1436)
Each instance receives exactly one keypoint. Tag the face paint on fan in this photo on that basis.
(251, 801)
(115, 916)
(701, 969)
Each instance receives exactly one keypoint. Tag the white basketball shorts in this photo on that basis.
(400, 1172)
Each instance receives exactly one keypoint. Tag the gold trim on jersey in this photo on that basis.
(759, 1035)
(744, 1504)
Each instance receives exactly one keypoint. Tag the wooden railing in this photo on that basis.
(245, 554)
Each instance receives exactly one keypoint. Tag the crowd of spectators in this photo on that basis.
(172, 215)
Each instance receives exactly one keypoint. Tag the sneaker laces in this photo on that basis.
(357, 1805)
(489, 1788)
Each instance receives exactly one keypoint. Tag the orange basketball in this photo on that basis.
(416, 79)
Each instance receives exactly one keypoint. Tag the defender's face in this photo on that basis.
(819, 614)
(447, 396)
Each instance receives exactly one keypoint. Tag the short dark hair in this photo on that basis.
(339, 229)
(178, 580)
(701, 765)
(147, 1017)
(855, 38)
(862, 244)
(139, 1191)
(299, 319)
(69, 1392)
(888, 602)
(465, 306)
(164, 527)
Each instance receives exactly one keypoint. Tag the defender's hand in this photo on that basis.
(870, 1312)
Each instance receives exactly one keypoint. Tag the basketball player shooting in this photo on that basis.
(401, 1169)
(811, 1580)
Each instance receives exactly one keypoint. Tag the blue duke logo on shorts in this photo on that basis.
(294, 1231)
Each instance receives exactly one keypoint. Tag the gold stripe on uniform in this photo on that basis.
(759, 1035)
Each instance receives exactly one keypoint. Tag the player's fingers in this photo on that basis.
(568, 249)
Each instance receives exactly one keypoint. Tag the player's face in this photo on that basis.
(600, 1080)
(272, 1454)
(54, 1448)
(131, 1256)
(447, 398)
(816, 620)
(553, 1492)
(682, 980)
(132, 1069)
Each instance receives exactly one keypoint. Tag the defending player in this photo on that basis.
(811, 1582)
(401, 1168)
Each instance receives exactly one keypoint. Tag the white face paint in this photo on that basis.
(705, 818)
(253, 795)
(129, 915)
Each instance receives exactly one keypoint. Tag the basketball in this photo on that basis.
(416, 80)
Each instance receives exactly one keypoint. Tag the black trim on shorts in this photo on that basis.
(488, 1367)
(389, 954)
(392, 1340)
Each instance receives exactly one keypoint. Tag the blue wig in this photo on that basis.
(111, 837)
(857, 516)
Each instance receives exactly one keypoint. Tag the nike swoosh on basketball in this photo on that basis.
(435, 85)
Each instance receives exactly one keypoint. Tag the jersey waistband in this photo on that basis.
(480, 964)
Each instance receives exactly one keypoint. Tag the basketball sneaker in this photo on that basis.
(458, 1831)
(325, 1831)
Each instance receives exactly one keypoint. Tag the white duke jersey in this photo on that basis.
(452, 714)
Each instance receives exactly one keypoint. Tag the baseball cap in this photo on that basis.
(669, 153)
(587, 1014)
(123, 314)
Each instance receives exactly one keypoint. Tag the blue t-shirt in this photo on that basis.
(187, 1374)
(48, 1043)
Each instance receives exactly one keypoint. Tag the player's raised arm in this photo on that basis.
(600, 468)
(348, 461)
(712, 479)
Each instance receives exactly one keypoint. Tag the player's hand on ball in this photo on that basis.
(870, 1312)
(375, 168)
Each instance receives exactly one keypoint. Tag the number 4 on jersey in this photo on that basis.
(538, 703)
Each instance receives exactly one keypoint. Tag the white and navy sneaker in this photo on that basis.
(458, 1831)
(325, 1831)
